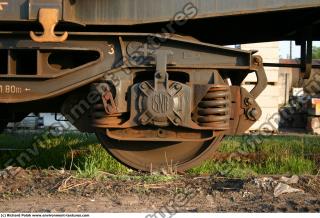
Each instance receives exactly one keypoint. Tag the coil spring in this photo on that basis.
(214, 109)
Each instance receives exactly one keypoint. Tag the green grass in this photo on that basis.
(284, 155)
(98, 161)
(79, 152)
(82, 152)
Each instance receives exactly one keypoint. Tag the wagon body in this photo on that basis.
(215, 21)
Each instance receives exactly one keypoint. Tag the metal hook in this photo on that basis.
(48, 17)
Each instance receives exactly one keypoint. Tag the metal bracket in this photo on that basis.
(109, 104)
(162, 57)
(48, 17)
(305, 53)
(262, 80)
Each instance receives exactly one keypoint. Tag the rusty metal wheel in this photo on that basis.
(154, 156)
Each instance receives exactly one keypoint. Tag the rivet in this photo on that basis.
(177, 86)
(177, 120)
(144, 86)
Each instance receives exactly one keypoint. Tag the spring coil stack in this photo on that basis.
(214, 109)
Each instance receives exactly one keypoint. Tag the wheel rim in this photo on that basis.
(155, 156)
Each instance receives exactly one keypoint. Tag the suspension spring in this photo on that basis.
(214, 109)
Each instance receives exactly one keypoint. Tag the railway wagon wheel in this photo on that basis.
(164, 130)
(171, 116)
(161, 133)
(155, 156)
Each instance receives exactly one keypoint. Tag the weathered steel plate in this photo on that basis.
(129, 12)
(126, 12)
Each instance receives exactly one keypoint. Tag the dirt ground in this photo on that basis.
(54, 191)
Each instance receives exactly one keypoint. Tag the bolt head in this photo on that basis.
(248, 101)
(159, 76)
(144, 120)
(253, 113)
(144, 86)
(177, 86)
(257, 60)
(176, 120)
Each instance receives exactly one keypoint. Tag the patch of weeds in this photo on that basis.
(82, 152)
(97, 161)
(231, 169)
(285, 155)
(287, 165)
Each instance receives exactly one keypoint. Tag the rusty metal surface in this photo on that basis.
(19, 84)
(158, 156)
(23, 10)
(48, 18)
(262, 81)
(244, 111)
(128, 12)
(214, 109)
(168, 106)
(48, 81)
(161, 134)
(288, 19)
(175, 124)
(151, 99)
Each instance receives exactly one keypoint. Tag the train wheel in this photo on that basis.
(155, 156)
